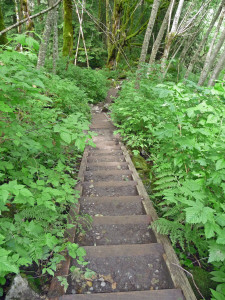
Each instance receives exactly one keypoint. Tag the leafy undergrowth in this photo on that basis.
(42, 123)
(181, 128)
(93, 83)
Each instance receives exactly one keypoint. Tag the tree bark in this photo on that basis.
(3, 38)
(67, 28)
(204, 40)
(45, 38)
(206, 69)
(148, 32)
(160, 35)
(218, 68)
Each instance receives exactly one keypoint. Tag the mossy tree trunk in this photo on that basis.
(3, 38)
(25, 13)
(67, 28)
(113, 42)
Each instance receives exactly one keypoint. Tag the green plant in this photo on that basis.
(93, 83)
(42, 138)
(181, 127)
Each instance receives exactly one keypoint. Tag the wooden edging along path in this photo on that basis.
(111, 288)
(178, 276)
(56, 289)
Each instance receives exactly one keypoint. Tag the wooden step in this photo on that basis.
(118, 230)
(109, 175)
(110, 188)
(129, 267)
(109, 158)
(172, 294)
(111, 206)
(99, 125)
(105, 153)
(105, 147)
(118, 165)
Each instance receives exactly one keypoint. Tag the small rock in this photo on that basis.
(103, 283)
(21, 290)
(73, 291)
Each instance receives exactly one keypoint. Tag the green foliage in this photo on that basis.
(182, 127)
(92, 83)
(42, 123)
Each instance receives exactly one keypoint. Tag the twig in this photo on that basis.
(29, 18)
(192, 277)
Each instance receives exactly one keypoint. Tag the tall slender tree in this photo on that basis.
(55, 40)
(160, 35)
(214, 55)
(3, 38)
(67, 28)
(149, 29)
(218, 68)
(206, 69)
(45, 37)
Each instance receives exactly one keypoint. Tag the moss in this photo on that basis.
(67, 28)
(140, 163)
(3, 38)
(203, 281)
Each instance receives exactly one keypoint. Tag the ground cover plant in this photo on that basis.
(180, 129)
(42, 123)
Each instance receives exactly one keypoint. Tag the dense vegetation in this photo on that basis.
(170, 111)
(180, 130)
(43, 118)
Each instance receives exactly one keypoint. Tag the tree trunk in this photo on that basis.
(218, 68)
(3, 38)
(19, 28)
(45, 38)
(107, 22)
(67, 28)
(204, 40)
(25, 13)
(216, 50)
(171, 35)
(148, 32)
(206, 69)
(112, 47)
(55, 40)
(160, 35)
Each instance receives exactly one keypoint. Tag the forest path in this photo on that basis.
(128, 261)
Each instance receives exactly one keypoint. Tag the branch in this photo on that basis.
(192, 277)
(29, 18)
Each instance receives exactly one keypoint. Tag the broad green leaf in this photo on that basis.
(66, 137)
